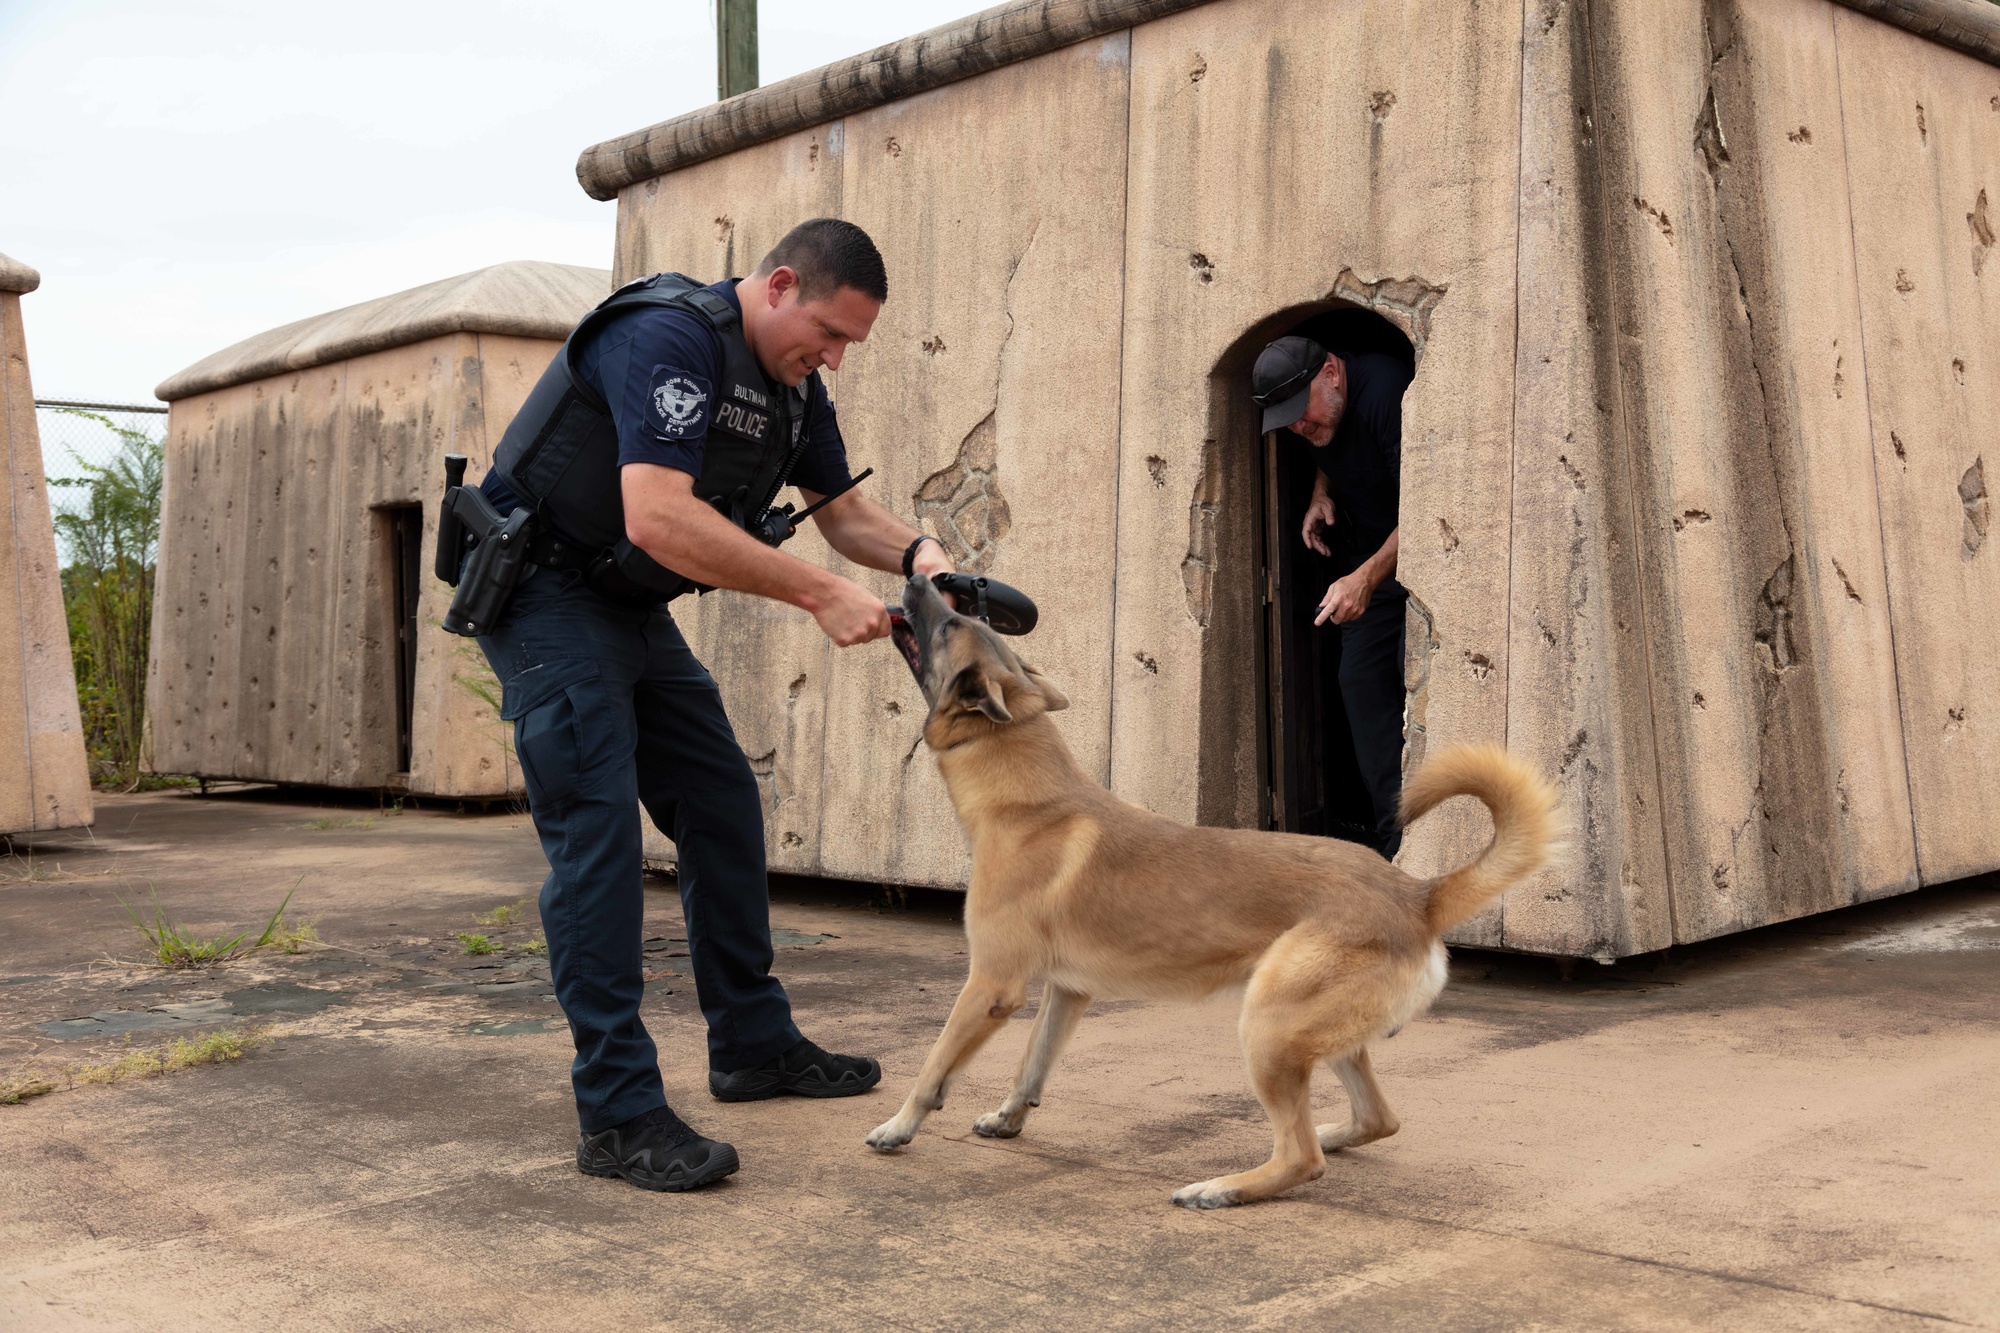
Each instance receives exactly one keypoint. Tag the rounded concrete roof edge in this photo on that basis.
(1968, 26)
(524, 298)
(17, 277)
(1003, 35)
(1021, 30)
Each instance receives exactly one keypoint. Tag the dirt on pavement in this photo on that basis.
(1793, 1128)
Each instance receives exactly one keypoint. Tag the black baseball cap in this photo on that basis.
(1283, 377)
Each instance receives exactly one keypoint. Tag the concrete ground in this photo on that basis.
(1793, 1129)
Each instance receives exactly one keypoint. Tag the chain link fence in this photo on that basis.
(80, 437)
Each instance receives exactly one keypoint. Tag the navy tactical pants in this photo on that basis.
(1371, 690)
(611, 709)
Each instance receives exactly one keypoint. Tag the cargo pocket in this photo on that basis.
(547, 740)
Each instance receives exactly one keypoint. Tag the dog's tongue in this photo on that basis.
(905, 640)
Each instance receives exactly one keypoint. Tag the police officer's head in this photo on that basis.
(818, 290)
(1301, 387)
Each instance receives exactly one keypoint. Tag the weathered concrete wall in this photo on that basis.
(1923, 158)
(996, 294)
(44, 771)
(1694, 510)
(273, 647)
(1290, 156)
(1792, 557)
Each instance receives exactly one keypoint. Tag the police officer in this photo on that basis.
(661, 432)
(1349, 408)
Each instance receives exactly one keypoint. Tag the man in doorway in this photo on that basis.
(1349, 408)
(669, 422)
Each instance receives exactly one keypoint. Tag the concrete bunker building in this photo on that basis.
(296, 630)
(44, 767)
(1694, 503)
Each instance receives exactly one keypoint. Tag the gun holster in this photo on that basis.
(480, 552)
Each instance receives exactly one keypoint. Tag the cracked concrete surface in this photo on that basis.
(1786, 1129)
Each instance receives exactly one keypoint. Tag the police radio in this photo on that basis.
(775, 526)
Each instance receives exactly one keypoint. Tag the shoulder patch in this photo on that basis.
(676, 403)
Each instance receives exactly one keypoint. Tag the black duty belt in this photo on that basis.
(552, 550)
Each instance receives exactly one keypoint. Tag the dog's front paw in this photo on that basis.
(996, 1125)
(889, 1136)
(1207, 1194)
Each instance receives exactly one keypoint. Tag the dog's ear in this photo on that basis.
(973, 688)
(1056, 700)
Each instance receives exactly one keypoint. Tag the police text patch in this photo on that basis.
(674, 403)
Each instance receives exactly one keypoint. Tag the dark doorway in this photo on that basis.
(405, 524)
(1315, 783)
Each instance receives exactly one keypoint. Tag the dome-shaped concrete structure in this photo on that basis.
(295, 631)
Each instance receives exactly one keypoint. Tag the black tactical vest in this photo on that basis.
(560, 453)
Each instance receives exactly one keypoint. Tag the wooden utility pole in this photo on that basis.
(735, 47)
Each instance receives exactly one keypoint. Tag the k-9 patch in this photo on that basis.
(676, 403)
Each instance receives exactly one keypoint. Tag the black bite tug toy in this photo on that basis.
(1005, 608)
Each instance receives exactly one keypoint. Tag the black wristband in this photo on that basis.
(910, 554)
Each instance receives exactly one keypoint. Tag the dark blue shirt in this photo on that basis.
(677, 351)
(1364, 462)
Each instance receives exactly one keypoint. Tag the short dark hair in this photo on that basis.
(829, 254)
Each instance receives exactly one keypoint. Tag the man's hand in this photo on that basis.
(851, 614)
(931, 558)
(1349, 596)
(665, 520)
(1319, 515)
(1346, 599)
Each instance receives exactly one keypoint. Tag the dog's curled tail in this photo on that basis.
(1525, 828)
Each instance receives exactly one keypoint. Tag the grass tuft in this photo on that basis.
(214, 1048)
(293, 936)
(478, 944)
(511, 915)
(17, 1088)
(335, 821)
(536, 946)
(174, 947)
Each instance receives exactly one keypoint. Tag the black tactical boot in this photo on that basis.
(655, 1151)
(803, 1071)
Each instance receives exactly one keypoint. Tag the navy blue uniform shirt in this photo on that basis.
(1364, 462)
(676, 350)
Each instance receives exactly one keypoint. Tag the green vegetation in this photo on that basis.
(17, 1088)
(513, 914)
(172, 946)
(293, 936)
(108, 595)
(535, 946)
(214, 1048)
(478, 944)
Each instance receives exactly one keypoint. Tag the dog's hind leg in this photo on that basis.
(984, 1004)
(1291, 1019)
(1368, 1115)
(1061, 1011)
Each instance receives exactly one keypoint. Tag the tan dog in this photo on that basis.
(1333, 945)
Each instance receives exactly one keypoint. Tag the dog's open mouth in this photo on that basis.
(905, 640)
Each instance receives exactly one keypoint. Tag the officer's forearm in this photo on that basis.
(1381, 566)
(665, 520)
(868, 534)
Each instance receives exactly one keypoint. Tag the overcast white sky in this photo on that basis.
(186, 173)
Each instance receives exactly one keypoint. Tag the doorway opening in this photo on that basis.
(404, 526)
(1314, 781)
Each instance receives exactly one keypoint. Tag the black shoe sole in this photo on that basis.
(718, 1165)
(767, 1086)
